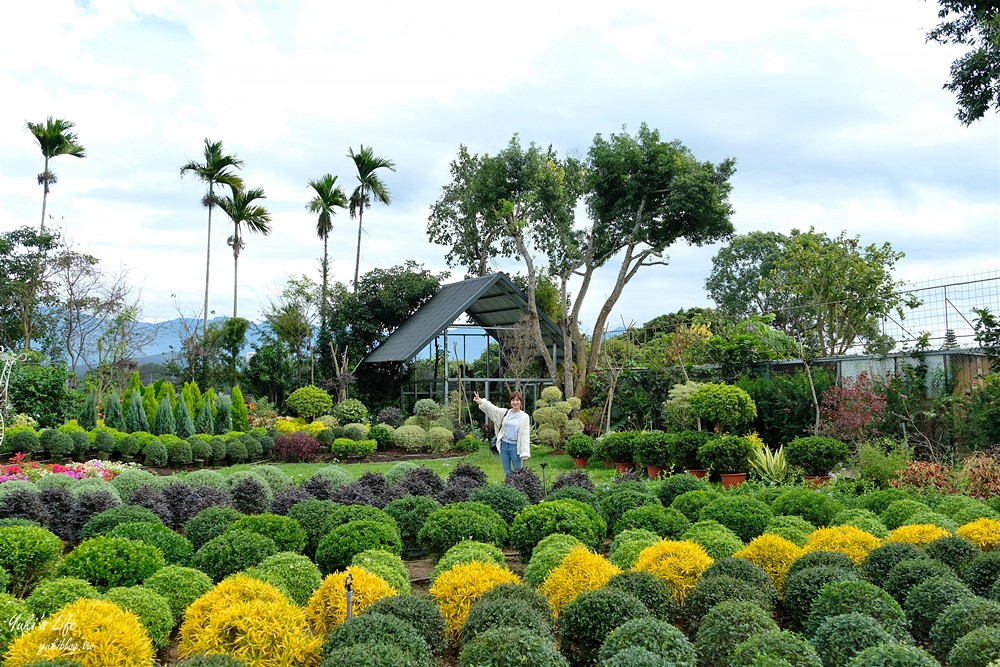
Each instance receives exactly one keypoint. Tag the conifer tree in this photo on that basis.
(88, 415)
(113, 415)
(164, 423)
(182, 419)
(149, 404)
(135, 415)
(192, 395)
(166, 389)
(205, 423)
(224, 414)
(134, 382)
(240, 413)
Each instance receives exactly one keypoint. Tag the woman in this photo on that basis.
(513, 430)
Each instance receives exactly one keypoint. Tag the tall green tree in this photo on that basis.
(217, 168)
(291, 316)
(975, 76)
(737, 271)
(26, 286)
(329, 197)
(55, 137)
(370, 185)
(248, 216)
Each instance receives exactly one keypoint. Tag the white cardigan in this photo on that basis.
(497, 415)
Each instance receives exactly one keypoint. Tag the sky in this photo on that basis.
(833, 110)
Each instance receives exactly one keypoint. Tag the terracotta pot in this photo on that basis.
(731, 479)
(817, 480)
(579, 462)
(623, 468)
(609, 464)
(653, 472)
(697, 472)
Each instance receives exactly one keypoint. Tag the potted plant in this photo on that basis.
(581, 448)
(685, 446)
(723, 405)
(618, 448)
(728, 455)
(817, 455)
(654, 449)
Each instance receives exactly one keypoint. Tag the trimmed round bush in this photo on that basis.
(877, 501)
(468, 551)
(842, 597)
(675, 485)
(152, 609)
(976, 649)
(954, 551)
(726, 626)
(316, 517)
(821, 557)
(908, 573)
(420, 612)
(586, 621)
(371, 654)
(778, 645)
(803, 586)
(668, 523)
(129, 480)
(176, 549)
(505, 647)
(53, 594)
(350, 411)
(928, 600)
(717, 540)
(651, 591)
(710, 591)
(410, 513)
(374, 628)
(411, 438)
(293, 573)
(620, 499)
(899, 512)
(983, 573)
(27, 554)
(864, 519)
(881, 560)
(740, 568)
(817, 455)
(690, 503)
(655, 635)
(286, 532)
(446, 527)
(546, 557)
(556, 516)
(309, 402)
(628, 544)
(744, 516)
(505, 614)
(103, 522)
(231, 552)
(960, 619)
(15, 618)
(179, 585)
(343, 542)
(108, 562)
(815, 507)
(842, 637)
(893, 655)
(503, 498)
(387, 565)
(575, 493)
(793, 528)
(208, 524)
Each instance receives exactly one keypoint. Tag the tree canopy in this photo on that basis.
(975, 76)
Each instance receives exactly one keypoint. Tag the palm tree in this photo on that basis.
(369, 185)
(242, 210)
(55, 138)
(329, 197)
(215, 170)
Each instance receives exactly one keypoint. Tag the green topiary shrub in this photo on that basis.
(516, 646)
(309, 402)
(410, 438)
(652, 591)
(655, 635)
(908, 573)
(817, 455)
(351, 411)
(381, 434)
(842, 637)
(976, 649)
(954, 551)
(803, 586)
(793, 528)
(621, 498)
(453, 523)
(547, 555)
(983, 573)
(376, 629)
(960, 619)
(339, 546)
(503, 498)
(103, 522)
(893, 655)
(108, 562)
(387, 565)
(726, 454)
(231, 552)
(152, 609)
(744, 516)
(520, 593)
(23, 440)
(347, 448)
(179, 585)
(556, 516)
(506, 614)
(928, 600)
(580, 446)
(586, 621)
(27, 554)
(208, 524)
(420, 612)
(821, 558)
(726, 626)
(717, 540)
(176, 549)
(899, 512)
(286, 532)
(468, 551)
(666, 522)
(724, 405)
(776, 644)
(410, 513)
(842, 597)
(51, 595)
(881, 560)
(673, 486)
(155, 453)
(710, 591)
(866, 520)
(292, 573)
(15, 618)
(618, 446)
(815, 507)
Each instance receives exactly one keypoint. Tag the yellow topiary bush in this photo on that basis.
(261, 633)
(457, 589)
(226, 593)
(920, 534)
(96, 633)
(298, 424)
(679, 563)
(773, 554)
(581, 570)
(984, 533)
(848, 540)
(327, 607)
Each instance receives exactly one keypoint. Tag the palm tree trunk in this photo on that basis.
(322, 297)
(357, 256)
(236, 265)
(208, 259)
(45, 192)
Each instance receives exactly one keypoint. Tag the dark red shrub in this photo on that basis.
(296, 447)
(848, 410)
(924, 476)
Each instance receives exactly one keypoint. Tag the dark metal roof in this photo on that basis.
(489, 301)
